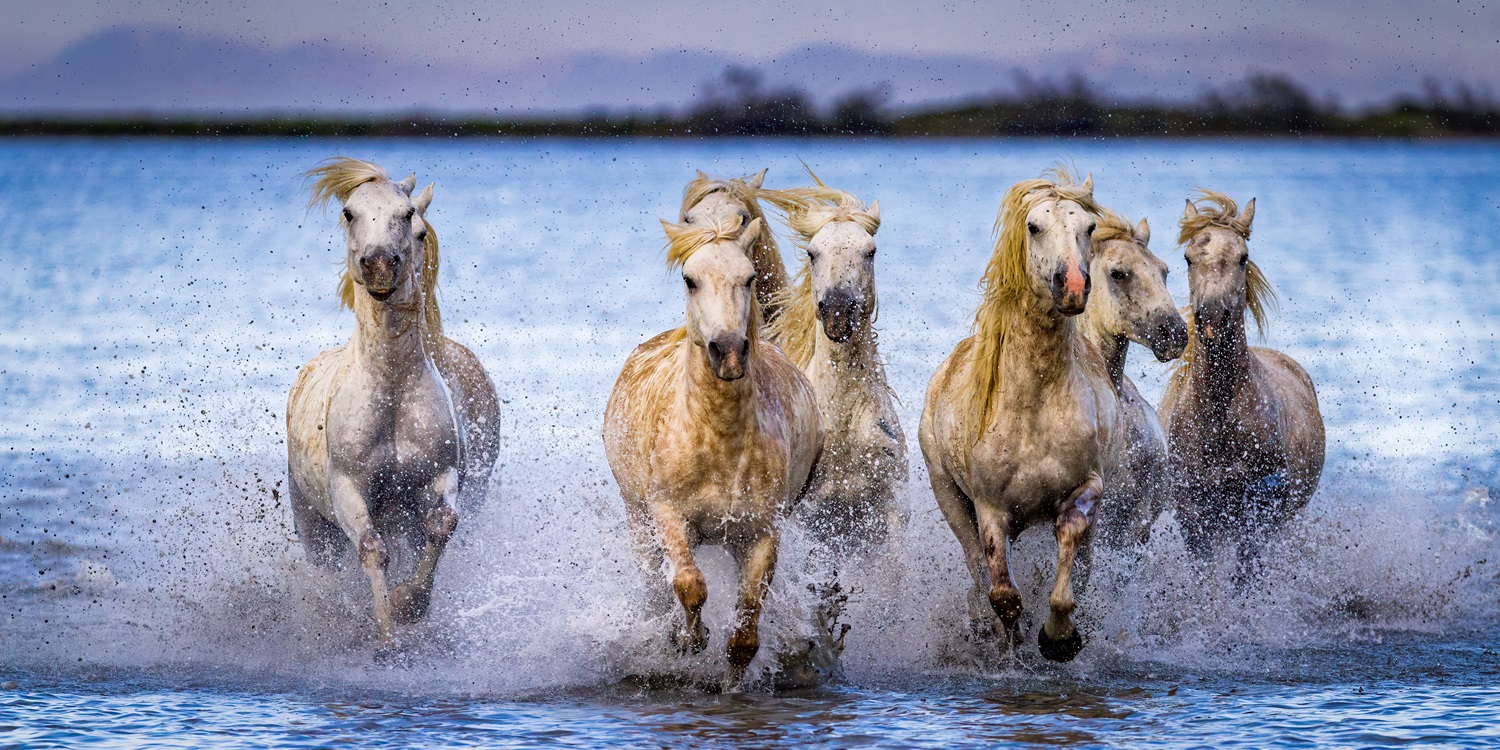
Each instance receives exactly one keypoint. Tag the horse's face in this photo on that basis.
(842, 263)
(720, 281)
(1217, 258)
(1057, 253)
(722, 206)
(385, 232)
(1132, 299)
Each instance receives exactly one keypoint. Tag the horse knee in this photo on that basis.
(691, 589)
(1006, 602)
(441, 522)
(372, 551)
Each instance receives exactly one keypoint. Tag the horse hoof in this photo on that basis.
(691, 641)
(742, 650)
(1007, 605)
(1060, 649)
(409, 603)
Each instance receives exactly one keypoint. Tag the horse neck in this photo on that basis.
(390, 337)
(1112, 346)
(725, 406)
(843, 371)
(1221, 366)
(1039, 350)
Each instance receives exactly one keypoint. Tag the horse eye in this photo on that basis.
(410, 212)
(870, 254)
(749, 281)
(1189, 261)
(1243, 260)
(1034, 229)
(687, 219)
(1119, 275)
(1092, 227)
(691, 285)
(348, 215)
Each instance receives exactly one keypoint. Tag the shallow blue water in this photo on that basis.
(160, 296)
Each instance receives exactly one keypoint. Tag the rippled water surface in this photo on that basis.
(160, 296)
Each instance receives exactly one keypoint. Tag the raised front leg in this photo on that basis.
(1004, 597)
(757, 564)
(687, 580)
(353, 516)
(410, 600)
(1059, 640)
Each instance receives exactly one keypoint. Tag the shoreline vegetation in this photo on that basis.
(1266, 105)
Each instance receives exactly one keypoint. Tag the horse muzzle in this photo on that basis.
(1168, 337)
(838, 310)
(727, 356)
(381, 273)
(1070, 289)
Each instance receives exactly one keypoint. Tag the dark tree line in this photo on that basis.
(1264, 104)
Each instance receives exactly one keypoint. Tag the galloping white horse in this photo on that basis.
(711, 434)
(391, 434)
(1130, 302)
(827, 327)
(1019, 419)
(1243, 423)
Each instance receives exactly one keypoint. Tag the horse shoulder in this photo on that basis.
(941, 420)
(306, 423)
(1299, 418)
(634, 415)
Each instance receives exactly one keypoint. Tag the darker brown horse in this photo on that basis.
(1243, 426)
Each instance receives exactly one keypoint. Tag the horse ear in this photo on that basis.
(1191, 212)
(874, 211)
(701, 176)
(1143, 232)
(757, 179)
(409, 184)
(750, 234)
(1088, 185)
(423, 199)
(1246, 216)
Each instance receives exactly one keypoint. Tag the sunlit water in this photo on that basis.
(159, 297)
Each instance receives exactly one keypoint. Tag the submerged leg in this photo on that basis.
(687, 580)
(353, 516)
(411, 599)
(757, 564)
(1059, 640)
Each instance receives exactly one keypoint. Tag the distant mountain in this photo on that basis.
(158, 69)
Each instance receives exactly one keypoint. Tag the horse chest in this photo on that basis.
(402, 438)
(714, 478)
(1031, 459)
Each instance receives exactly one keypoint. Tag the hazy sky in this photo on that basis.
(1447, 36)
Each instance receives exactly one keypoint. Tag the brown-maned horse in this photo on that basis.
(1243, 426)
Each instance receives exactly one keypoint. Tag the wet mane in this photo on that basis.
(1006, 289)
(764, 253)
(1217, 209)
(336, 178)
(683, 240)
(807, 211)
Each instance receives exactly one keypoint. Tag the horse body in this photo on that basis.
(827, 328)
(711, 434)
(1243, 424)
(1130, 302)
(1020, 425)
(377, 450)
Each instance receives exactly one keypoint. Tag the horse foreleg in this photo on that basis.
(1004, 598)
(958, 510)
(411, 599)
(353, 516)
(687, 580)
(757, 564)
(1058, 639)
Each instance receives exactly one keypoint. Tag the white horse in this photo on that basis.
(711, 434)
(391, 434)
(1130, 302)
(827, 327)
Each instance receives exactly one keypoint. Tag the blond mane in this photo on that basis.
(1006, 290)
(807, 211)
(764, 253)
(684, 240)
(1111, 226)
(336, 178)
(1217, 209)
